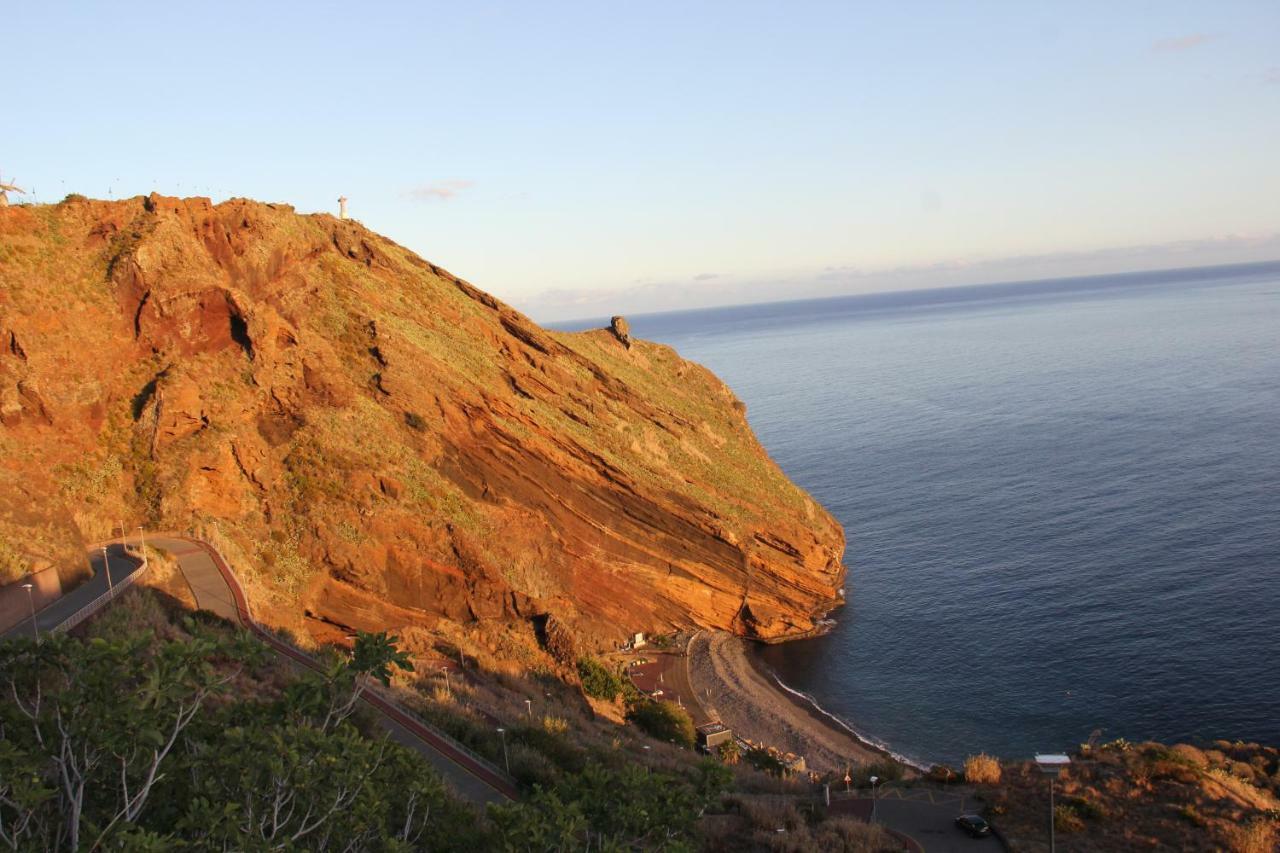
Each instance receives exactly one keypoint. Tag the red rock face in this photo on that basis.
(386, 444)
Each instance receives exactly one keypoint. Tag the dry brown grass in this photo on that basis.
(777, 823)
(1257, 836)
(982, 769)
(1148, 796)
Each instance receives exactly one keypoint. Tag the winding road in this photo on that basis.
(216, 589)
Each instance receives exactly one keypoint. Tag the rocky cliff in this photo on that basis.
(382, 443)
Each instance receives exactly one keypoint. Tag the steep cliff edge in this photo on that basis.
(386, 444)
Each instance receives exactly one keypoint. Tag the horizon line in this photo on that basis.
(1241, 268)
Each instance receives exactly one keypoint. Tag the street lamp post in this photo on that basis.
(106, 567)
(142, 543)
(32, 601)
(1051, 765)
(528, 708)
(874, 781)
(647, 769)
(506, 759)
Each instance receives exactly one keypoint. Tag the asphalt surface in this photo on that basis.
(207, 584)
(928, 818)
(70, 603)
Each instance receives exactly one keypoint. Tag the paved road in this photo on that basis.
(70, 603)
(928, 817)
(207, 584)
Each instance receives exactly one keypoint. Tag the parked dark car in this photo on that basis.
(974, 825)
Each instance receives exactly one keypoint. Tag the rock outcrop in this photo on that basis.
(384, 444)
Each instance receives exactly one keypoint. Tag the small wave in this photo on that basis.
(878, 744)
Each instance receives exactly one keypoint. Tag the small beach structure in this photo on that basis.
(711, 735)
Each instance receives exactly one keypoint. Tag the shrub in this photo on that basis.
(769, 813)
(943, 773)
(766, 761)
(530, 767)
(1243, 771)
(1190, 815)
(729, 752)
(1066, 819)
(885, 770)
(1258, 836)
(1176, 770)
(597, 680)
(664, 721)
(846, 835)
(982, 769)
(1189, 755)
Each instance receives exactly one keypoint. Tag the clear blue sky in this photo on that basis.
(580, 158)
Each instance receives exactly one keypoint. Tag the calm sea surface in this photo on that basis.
(1062, 502)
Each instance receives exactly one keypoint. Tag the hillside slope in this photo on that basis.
(386, 444)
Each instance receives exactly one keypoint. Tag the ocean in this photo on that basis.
(1062, 503)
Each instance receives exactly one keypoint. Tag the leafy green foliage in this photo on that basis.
(597, 679)
(113, 743)
(664, 721)
(612, 809)
(729, 752)
(376, 655)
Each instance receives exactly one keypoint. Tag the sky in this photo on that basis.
(586, 159)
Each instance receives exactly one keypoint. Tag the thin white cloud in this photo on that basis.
(730, 289)
(1178, 44)
(438, 191)
(706, 276)
(1271, 77)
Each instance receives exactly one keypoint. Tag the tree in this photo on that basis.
(597, 680)
(333, 696)
(112, 743)
(664, 721)
(612, 809)
(90, 726)
(729, 752)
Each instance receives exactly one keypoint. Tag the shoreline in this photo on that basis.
(748, 697)
(807, 704)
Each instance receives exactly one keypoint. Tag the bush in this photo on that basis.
(769, 813)
(846, 835)
(1187, 754)
(885, 770)
(982, 769)
(943, 774)
(1190, 815)
(664, 721)
(1066, 819)
(765, 761)
(1256, 837)
(597, 680)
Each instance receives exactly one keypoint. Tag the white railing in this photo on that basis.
(113, 589)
